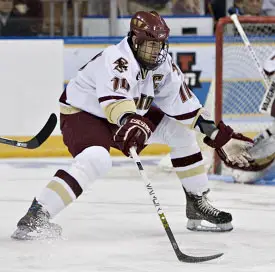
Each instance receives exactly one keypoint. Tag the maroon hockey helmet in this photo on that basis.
(150, 26)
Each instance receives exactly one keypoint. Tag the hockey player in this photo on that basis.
(108, 104)
(263, 150)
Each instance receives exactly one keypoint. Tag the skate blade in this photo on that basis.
(53, 233)
(196, 225)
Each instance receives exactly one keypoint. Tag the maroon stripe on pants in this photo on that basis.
(71, 181)
(188, 160)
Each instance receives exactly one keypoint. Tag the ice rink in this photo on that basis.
(114, 227)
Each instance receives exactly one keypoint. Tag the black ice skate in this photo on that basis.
(199, 209)
(35, 225)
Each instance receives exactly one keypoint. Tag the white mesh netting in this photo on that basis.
(242, 86)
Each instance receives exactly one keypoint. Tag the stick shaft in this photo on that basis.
(181, 256)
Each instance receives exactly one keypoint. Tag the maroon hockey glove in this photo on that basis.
(224, 135)
(134, 132)
(231, 147)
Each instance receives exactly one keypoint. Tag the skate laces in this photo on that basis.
(205, 206)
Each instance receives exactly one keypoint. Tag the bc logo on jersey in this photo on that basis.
(121, 65)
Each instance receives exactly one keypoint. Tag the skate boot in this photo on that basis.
(35, 225)
(198, 209)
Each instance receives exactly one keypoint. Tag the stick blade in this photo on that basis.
(44, 134)
(191, 259)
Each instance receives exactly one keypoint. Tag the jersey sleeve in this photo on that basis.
(175, 98)
(113, 86)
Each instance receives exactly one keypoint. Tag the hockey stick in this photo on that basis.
(269, 96)
(181, 256)
(39, 139)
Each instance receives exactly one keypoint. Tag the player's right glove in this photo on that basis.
(231, 147)
(135, 131)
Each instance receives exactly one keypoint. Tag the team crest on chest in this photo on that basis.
(121, 65)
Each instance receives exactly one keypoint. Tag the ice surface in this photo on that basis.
(114, 226)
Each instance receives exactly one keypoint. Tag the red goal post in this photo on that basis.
(238, 85)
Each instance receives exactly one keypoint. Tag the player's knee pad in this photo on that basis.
(175, 134)
(92, 163)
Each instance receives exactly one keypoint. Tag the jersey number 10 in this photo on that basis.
(185, 92)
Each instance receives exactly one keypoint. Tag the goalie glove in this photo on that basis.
(231, 147)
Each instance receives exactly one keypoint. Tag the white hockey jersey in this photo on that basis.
(113, 83)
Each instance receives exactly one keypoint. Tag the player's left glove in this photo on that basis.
(135, 131)
(231, 147)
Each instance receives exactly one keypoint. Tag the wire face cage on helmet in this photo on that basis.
(152, 54)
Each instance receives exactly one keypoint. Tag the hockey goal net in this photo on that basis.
(238, 87)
